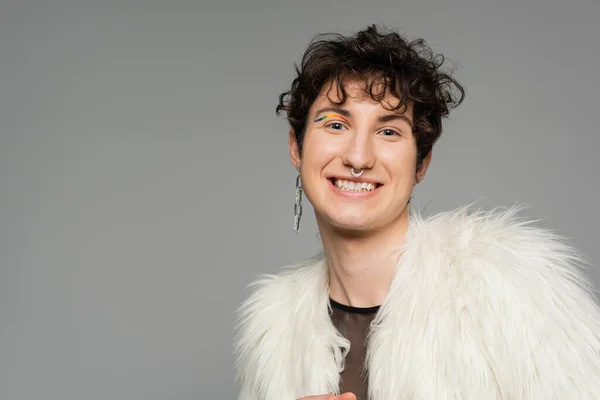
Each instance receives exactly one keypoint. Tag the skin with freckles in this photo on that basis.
(361, 231)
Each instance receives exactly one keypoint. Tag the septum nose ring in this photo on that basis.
(356, 174)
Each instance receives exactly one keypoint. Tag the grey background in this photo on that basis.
(145, 178)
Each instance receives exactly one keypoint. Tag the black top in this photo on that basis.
(353, 323)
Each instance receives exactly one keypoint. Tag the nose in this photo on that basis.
(359, 152)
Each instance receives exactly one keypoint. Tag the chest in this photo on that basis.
(353, 324)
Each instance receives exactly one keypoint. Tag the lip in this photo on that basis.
(354, 195)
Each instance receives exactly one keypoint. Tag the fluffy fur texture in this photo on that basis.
(482, 306)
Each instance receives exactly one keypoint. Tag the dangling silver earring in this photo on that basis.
(415, 184)
(298, 204)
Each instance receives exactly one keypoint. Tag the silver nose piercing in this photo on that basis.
(356, 174)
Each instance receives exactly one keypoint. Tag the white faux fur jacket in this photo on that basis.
(482, 306)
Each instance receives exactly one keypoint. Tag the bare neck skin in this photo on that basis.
(361, 266)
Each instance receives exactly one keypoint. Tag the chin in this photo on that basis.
(351, 222)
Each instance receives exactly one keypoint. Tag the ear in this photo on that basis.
(294, 150)
(420, 175)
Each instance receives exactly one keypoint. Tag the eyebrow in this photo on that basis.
(392, 117)
(330, 115)
(383, 118)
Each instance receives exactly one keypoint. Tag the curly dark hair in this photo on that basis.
(410, 72)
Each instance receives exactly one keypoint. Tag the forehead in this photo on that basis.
(376, 94)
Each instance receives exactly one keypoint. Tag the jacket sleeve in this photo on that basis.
(250, 333)
(258, 340)
(286, 347)
(548, 344)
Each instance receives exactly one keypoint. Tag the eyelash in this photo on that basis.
(339, 123)
(334, 123)
(392, 130)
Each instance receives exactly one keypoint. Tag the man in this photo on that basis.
(456, 306)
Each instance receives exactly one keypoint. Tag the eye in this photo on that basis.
(335, 126)
(389, 132)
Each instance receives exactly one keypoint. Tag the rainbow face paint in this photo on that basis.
(330, 115)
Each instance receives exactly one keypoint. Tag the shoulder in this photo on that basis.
(507, 256)
(267, 321)
(268, 292)
(521, 289)
(498, 239)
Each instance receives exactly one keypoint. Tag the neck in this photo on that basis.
(362, 264)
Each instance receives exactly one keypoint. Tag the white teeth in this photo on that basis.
(354, 186)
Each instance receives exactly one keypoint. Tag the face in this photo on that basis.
(359, 134)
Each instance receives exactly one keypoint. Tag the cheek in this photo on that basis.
(400, 160)
(318, 150)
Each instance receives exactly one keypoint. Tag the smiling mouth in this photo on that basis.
(354, 186)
